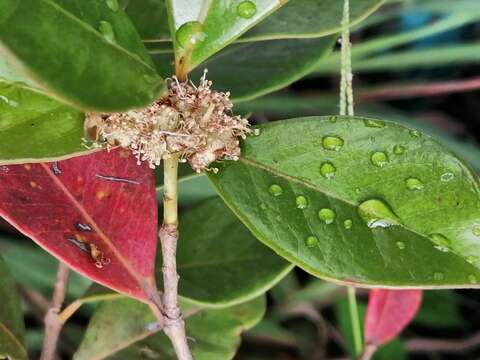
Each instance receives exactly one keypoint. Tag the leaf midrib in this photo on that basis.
(17, 342)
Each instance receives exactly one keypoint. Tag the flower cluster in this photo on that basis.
(194, 122)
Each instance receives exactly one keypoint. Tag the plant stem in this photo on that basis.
(174, 325)
(53, 322)
(354, 318)
(346, 82)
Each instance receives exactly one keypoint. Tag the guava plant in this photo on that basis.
(96, 96)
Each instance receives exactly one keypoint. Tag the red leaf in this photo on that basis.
(388, 313)
(97, 213)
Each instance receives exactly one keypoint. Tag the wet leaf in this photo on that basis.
(97, 213)
(12, 328)
(216, 332)
(202, 28)
(35, 127)
(388, 313)
(101, 74)
(358, 200)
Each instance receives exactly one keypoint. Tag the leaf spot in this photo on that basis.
(83, 227)
(101, 194)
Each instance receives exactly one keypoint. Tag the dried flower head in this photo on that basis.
(194, 122)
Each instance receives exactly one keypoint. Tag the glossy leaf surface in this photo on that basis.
(358, 201)
(311, 18)
(263, 67)
(216, 331)
(109, 71)
(11, 318)
(97, 213)
(219, 261)
(35, 127)
(204, 27)
(388, 313)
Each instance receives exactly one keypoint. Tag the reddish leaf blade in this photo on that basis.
(97, 213)
(388, 313)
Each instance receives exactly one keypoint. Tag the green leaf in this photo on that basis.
(216, 331)
(220, 263)
(310, 18)
(286, 60)
(440, 309)
(150, 18)
(202, 28)
(42, 38)
(360, 201)
(35, 268)
(35, 127)
(12, 328)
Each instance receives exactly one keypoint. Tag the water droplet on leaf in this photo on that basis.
(376, 213)
(189, 34)
(334, 143)
(415, 133)
(113, 5)
(399, 149)
(374, 123)
(476, 230)
(327, 170)
(311, 241)
(246, 9)
(327, 215)
(414, 184)
(347, 224)
(471, 259)
(107, 31)
(263, 206)
(438, 276)
(275, 190)
(379, 159)
(441, 242)
(401, 245)
(302, 202)
(448, 176)
(332, 119)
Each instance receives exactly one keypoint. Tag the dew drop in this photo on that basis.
(446, 177)
(246, 9)
(476, 230)
(332, 119)
(302, 202)
(399, 149)
(379, 159)
(472, 279)
(311, 241)
(438, 276)
(190, 33)
(8, 101)
(334, 143)
(414, 184)
(401, 245)
(376, 213)
(441, 242)
(347, 224)
(415, 133)
(327, 215)
(263, 206)
(471, 259)
(275, 190)
(327, 170)
(107, 31)
(374, 123)
(113, 5)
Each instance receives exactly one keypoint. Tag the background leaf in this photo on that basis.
(216, 332)
(34, 127)
(11, 318)
(102, 74)
(319, 187)
(389, 312)
(84, 211)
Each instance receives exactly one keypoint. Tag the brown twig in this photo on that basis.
(403, 91)
(174, 325)
(443, 345)
(53, 323)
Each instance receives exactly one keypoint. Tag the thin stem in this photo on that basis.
(346, 82)
(355, 320)
(53, 322)
(174, 326)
